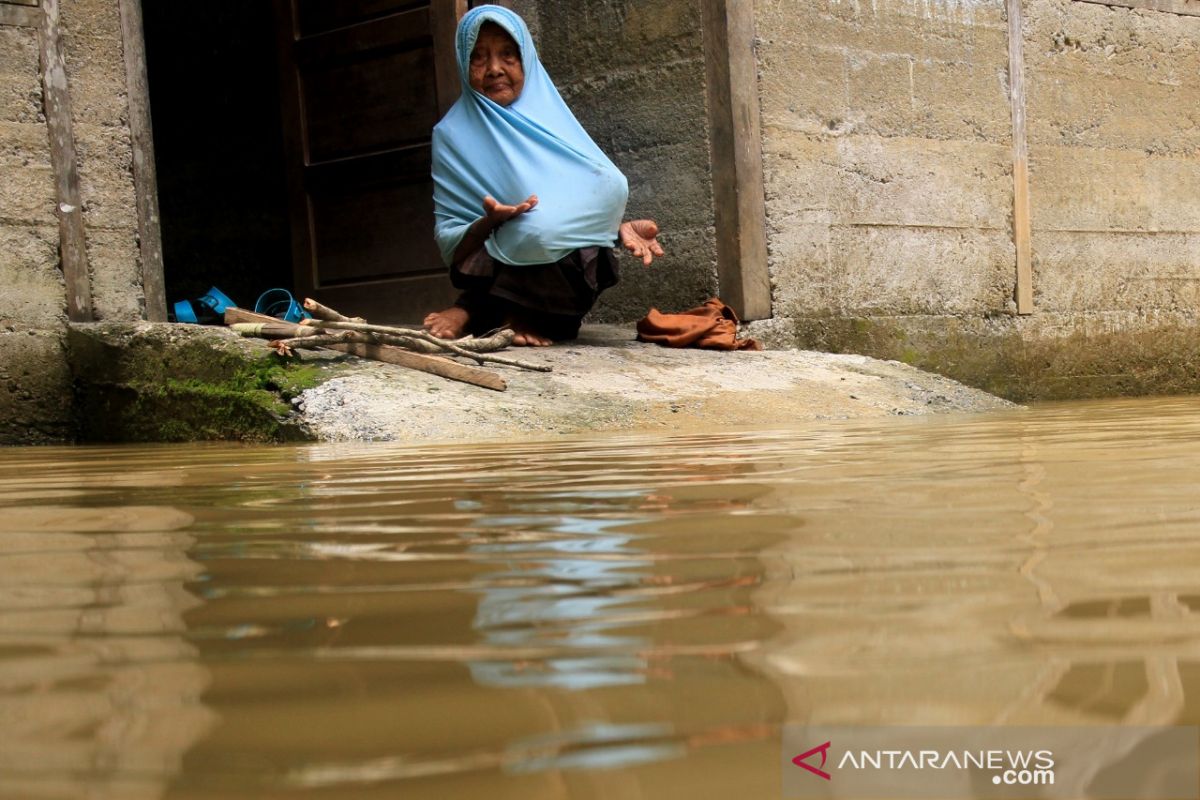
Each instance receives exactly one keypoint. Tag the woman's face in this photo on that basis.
(496, 69)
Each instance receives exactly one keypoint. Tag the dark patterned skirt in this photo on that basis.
(552, 299)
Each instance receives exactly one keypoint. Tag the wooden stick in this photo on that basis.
(273, 330)
(496, 341)
(326, 313)
(425, 336)
(234, 315)
(285, 346)
(434, 365)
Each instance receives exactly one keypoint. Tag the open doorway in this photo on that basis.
(218, 145)
(293, 149)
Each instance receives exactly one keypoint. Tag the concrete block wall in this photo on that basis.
(35, 391)
(1114, 146)
(633, 72)
(888, 159)
(35, 380)
(887, 156)
(34, 295)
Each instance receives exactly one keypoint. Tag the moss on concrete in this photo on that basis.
(174, 383)
(1020, 359)
(35, 388)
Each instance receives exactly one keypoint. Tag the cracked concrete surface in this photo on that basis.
(607, 381)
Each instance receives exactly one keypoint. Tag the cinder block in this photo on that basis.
(649, 108)
(1102, 271)
(801, 261)
(909, 96)
(21, 103)
(585, 38)
(92, 49)
(1082, 110)
(34, 295)
(27, 194)
(944, 30)
(670, 184)
(82, 19)
(105, 159)
(1118, 190)
(24, 144)
(804, 87)
(116, 274)
(1086, 39)
(99, 98)
(866, 270)
(891, 181)
(20, 81)
(18, 52)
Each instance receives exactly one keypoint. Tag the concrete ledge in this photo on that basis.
(157, 382)
(1043, 357)
(35, 388)
(606, 381)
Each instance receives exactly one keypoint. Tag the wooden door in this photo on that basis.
(363, 82)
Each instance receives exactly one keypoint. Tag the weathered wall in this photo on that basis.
(1114, 144)
(633, 73)
(34, 381)
(887, 141)
(887, 153)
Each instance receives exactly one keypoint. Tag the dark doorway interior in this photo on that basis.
(219, 151)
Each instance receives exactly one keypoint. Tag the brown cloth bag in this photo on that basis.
(712, 326)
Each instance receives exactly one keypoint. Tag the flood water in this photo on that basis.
(617, 617)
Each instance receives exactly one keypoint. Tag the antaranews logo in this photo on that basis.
(949, 763)
(1011, 768)
(823, 749)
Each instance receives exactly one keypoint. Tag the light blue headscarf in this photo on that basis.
(533, 146)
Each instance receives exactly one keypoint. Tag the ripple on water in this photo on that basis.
(582, 617)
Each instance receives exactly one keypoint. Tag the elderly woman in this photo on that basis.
(527, 207)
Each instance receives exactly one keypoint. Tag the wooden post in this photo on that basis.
(1022, 223)
(443, 21)
(739, 198)
(57, 98)
(145, 178)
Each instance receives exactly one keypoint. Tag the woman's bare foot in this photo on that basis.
(527, 336)
(449, 323)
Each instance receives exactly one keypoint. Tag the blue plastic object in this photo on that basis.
(280, 303)
(214, 299)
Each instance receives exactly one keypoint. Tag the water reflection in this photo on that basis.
(560, 591)
(632, 617)
(100, 689)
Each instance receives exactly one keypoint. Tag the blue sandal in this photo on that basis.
(208, 309)
(280, 303)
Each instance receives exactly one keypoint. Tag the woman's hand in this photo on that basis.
(498, 213)
(495, 214)
(640, 237)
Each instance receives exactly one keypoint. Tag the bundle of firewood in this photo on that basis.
(406, 347)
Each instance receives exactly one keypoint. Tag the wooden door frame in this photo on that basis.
(444, 16)
(145, 175)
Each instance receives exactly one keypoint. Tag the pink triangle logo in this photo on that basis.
(800, 760)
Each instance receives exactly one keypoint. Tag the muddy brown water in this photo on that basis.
(618, 617)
